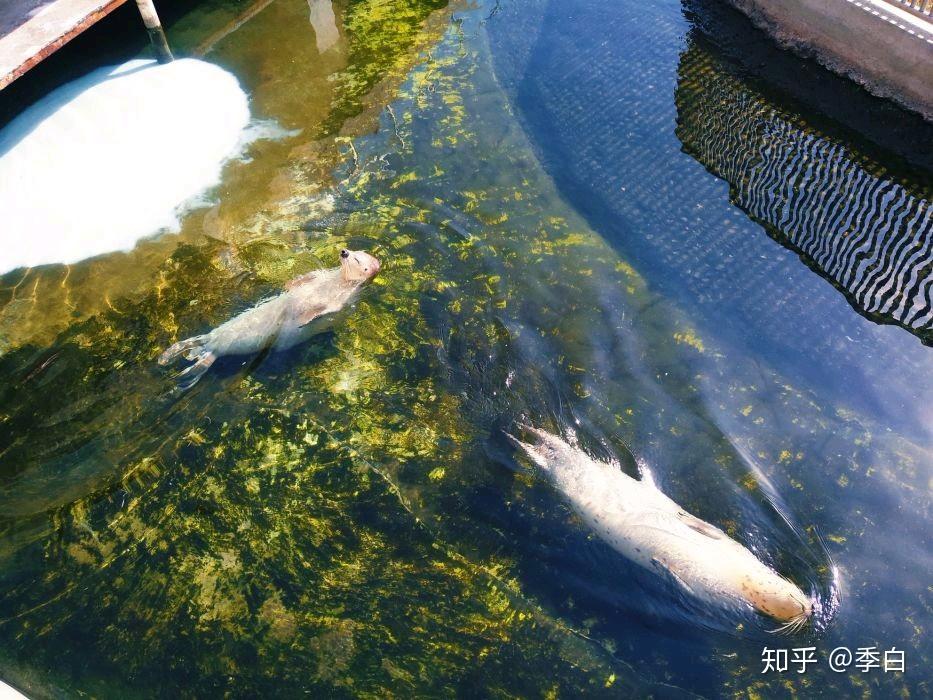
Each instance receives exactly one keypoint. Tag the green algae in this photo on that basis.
(263, 535)
(303, 526)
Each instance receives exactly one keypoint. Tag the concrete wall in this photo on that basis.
(883, 47)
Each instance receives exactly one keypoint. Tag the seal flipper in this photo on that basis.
(545, 452)
(302, 279)
(530, 450)
(190, 346)
(190, 376)
(701, 526)
(311, 313)
(669, 573)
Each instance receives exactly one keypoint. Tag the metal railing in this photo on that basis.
(920, 7)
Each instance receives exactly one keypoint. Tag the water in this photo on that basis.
(97, 120)
(548, 186)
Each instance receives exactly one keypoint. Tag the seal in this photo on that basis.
(640, 522)
(305, 307)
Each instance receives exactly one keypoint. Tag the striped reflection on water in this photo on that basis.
(856, 225)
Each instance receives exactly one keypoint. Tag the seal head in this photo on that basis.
(358, 265)
(779, 598)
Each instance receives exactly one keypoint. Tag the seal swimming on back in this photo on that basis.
(281, 322)
(640, 522)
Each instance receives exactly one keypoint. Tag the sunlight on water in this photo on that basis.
(108, 159)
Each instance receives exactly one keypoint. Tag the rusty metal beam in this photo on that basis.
(39, 36)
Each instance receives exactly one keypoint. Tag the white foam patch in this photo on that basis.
(113, 157)
(261, 129)
(9, 693)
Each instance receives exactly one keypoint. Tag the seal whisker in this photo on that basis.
(792, 626)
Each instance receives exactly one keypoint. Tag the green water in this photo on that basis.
(345, 519)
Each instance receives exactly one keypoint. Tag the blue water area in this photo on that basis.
(642, 226)
(657, 91)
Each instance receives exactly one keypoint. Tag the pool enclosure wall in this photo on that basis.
(885, 45)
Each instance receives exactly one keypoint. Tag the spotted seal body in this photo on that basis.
(279, 323)
(646, 526)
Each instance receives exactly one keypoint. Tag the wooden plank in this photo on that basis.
(205, 46)
(36, 30)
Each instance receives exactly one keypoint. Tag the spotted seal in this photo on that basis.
(281, 322)
(643, 524)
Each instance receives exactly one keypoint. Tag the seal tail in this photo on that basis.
(189, 376)
(191, 346)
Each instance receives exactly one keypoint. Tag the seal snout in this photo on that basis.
(780, 599)
(358, 265)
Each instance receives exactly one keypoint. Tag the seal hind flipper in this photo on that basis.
(190, 346)
(667, 572)
(530, 450)
(188, 377)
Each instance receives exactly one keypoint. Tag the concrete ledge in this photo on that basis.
(876, 43)
(31, 31)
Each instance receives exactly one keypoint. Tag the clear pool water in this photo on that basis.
(634, 221)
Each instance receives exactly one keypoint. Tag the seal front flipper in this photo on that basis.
(669, 573)
(701, 526)
(311, 313)
(302, 279)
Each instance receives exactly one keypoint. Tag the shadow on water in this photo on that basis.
(835, 108)
(269, 365)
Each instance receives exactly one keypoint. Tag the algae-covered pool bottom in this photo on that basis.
(345, 518)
